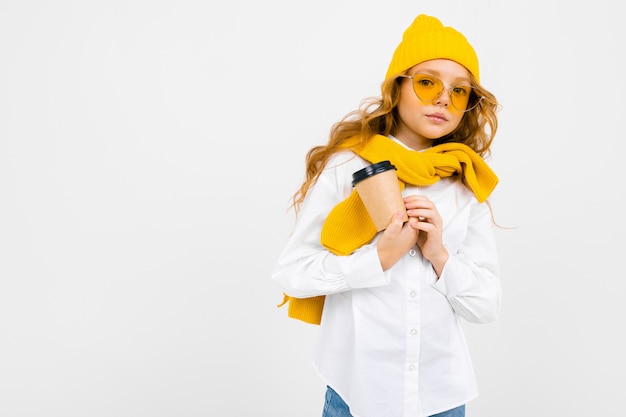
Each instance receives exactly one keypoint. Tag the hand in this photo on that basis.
(425, 218)
(395, 241)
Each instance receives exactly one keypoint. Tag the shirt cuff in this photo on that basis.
(453, 279)
(366, 271)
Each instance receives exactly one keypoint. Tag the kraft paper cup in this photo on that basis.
(378, 187)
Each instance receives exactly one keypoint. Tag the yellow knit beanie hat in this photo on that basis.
(428, 39)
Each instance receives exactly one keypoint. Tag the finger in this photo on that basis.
(396, 221)
(424, 226)
(414, 200)
(416, 197)
(421, 214)
(417, 205)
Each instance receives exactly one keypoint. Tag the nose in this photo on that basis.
(444, 97)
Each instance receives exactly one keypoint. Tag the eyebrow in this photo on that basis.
(438, 74)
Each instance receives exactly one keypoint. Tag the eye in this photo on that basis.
(463, 91)
(425, 81)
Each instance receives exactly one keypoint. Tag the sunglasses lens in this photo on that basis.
(426, 87)
(429, 88)
(460, 96)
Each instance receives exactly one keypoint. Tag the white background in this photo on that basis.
(148, 151)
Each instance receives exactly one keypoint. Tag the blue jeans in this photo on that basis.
(334, 406)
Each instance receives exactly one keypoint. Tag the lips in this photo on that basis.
(437, 117)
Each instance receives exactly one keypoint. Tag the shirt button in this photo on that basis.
(412, 367)
(413, 294)
(413, 332)
(412, 252)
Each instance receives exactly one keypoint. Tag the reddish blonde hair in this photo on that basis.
(379, 115)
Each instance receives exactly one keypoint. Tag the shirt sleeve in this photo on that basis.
(305, 268)
(471, 278)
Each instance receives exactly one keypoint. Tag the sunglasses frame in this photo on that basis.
(449, 88)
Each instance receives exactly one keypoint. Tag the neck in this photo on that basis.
(412, 141)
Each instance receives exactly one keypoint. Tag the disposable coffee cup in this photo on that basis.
(378, 187)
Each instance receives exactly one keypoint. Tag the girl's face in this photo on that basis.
(421, 122)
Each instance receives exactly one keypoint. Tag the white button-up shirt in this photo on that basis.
(391, 342)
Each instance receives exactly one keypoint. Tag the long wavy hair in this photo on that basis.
(379, 115)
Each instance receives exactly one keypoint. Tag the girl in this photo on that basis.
(390, 303)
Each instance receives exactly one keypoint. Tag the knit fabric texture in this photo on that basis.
(348, 225)
(425, 39)
(309, 310)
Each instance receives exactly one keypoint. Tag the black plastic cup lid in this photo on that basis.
(371, 170)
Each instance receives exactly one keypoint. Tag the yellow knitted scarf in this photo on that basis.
(348, 226)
